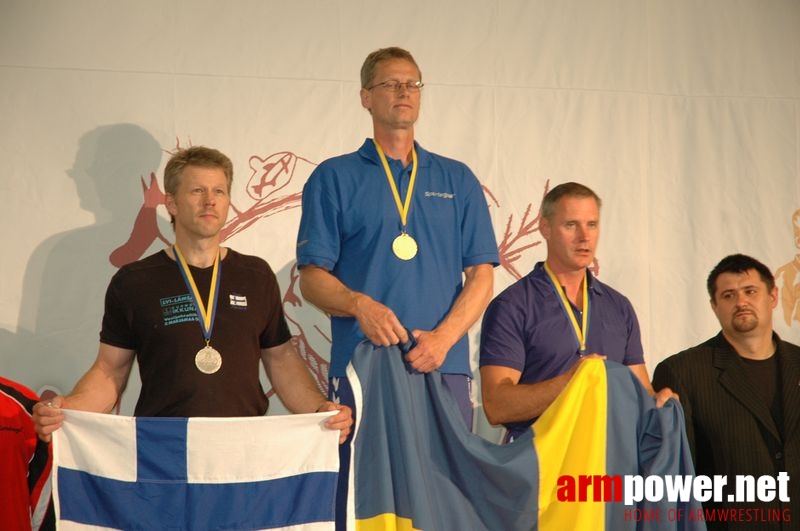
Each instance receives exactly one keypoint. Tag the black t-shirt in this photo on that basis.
(149, 309)
(764, 374)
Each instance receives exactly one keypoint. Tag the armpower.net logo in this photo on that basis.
(631, 489)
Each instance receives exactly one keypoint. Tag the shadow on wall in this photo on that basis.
(66, 277)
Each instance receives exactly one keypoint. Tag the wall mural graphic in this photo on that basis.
(787, 278)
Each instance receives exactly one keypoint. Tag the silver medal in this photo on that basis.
(208, 360)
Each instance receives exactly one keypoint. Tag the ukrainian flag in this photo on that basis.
(416, 467)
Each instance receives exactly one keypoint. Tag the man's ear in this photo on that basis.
(366, 98)
(169, 202)
(773, 295)
(544, 228)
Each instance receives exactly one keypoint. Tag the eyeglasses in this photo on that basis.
(396, 86)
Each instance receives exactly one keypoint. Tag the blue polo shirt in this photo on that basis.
(350, 219)
(526, 328)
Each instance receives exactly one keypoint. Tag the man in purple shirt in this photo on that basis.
(537, 331)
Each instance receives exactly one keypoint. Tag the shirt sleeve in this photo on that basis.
(117, 328)
(634, 352)
(318, 238)
(480, 245)
(502, 339)
(276, 331)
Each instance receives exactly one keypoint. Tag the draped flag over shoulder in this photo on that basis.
(113, 472)
(416, 467)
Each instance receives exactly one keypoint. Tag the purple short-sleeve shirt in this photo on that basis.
(526, 328)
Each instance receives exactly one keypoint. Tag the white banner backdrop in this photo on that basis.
(683, 115)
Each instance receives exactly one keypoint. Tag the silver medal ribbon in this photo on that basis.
(208, 360)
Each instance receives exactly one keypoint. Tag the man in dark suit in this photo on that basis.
(740, 392)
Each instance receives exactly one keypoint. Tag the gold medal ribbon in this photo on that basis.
(402, 207)
(205, 313)
(580, 331)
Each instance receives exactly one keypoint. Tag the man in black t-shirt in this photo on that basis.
(198, 317)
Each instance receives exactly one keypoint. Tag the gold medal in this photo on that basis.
(208, 360)
(404, 247)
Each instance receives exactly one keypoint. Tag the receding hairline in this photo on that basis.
(567, 190)
(383, 55)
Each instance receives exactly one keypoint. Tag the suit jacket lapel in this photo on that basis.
(790, 381)
(735, 380)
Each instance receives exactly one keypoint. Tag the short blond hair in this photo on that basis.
(202, 156)
(384, 54)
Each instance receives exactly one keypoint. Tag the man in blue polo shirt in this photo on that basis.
(388, 233)
(537, 331)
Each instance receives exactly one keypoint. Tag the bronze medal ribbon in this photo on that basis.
(581, 331)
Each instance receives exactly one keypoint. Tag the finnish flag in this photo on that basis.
(115, 472)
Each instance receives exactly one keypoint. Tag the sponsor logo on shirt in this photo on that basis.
(441, 195)
(178, 309)
(238, 301)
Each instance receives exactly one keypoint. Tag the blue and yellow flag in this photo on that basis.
(417, 467)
